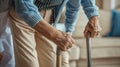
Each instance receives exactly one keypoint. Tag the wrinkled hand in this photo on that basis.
(1, 57)
(93, 27)
(64, 40)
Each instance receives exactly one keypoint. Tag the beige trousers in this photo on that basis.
(31, 48)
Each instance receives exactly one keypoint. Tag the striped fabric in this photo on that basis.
(47, 4)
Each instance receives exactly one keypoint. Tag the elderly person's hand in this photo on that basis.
(63, 40)
(92, 27)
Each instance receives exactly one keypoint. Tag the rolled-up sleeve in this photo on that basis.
(72, 10)
(90, 8)
(28, 11)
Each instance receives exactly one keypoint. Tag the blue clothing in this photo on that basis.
(27, 10)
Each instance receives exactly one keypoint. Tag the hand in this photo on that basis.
(63, 40)
(93, 27)
(1, 57)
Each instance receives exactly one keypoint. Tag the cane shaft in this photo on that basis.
(58, 62)
(88, 44)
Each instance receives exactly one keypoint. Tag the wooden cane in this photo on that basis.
(88, 45)
(58, 62)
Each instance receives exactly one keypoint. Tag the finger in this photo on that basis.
(86, 32)
(65, 44)
(93, 34)
(70, 45)
(87, 29)
(72, 40)
(91, 25)
(69, 41)
(98, 33)
(61, 45)
(63, 48)
(70, 37)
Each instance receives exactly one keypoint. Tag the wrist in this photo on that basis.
(93, 19)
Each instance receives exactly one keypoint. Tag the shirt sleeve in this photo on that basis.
(28, 11)
(71, 15)
(90, 8)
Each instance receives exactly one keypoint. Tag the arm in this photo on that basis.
(30, 14)
(63, 40)
(72, 10)
(28, 11)
(92, 12)
(90, 8)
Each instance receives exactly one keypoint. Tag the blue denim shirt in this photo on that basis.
(27, 10)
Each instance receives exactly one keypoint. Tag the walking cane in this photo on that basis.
(88, 45)
(58, 62)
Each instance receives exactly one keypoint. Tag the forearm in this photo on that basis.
(90, 8)
(72, 12)
(46, 29)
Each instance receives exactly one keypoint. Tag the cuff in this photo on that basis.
(91, 11)
(34, 20)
